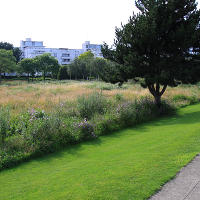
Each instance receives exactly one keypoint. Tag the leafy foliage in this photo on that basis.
(62, 74)
(28, 66)
(92, 104)
(7, 61)
(4, 124)
(47, 64)
(86, 66)
(17, 53)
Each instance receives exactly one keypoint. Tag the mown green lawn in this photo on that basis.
(129, 165)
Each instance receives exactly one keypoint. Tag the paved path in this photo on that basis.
(185, 186)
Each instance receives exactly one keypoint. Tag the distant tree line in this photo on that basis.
(86, 67)
(43, 65)
(11, 61)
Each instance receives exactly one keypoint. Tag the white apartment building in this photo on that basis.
(64, 56)
(94, 48)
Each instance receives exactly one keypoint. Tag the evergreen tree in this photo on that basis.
(156, 43)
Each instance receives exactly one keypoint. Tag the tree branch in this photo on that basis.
(151, 89)
(158, 88)
(163, 90)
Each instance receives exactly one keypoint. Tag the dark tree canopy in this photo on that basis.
(27, 66)
(7, 62)
(63, 74)
(16, 51)
(47, 64)
(6, 46)
(156, 43)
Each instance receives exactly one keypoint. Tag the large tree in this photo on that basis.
(48, 65)
(7, 62)
(28, 66)
(85, 61)
(16, 51)
(6, 46)
(156, 44)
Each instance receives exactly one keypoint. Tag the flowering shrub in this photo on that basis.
(92, 104)
(106, 124)
(36, 114)
(86, 130)
(126, 113)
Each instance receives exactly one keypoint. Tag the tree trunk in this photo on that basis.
(44, 76)
(157, 100)
(155, 91)
(28, 77)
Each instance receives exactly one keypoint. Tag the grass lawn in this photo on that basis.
(128, 165)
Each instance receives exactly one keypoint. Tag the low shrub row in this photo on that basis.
(36, 132)
(183, 100)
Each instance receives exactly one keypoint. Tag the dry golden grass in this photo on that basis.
(22, 96)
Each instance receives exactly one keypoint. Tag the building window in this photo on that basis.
(65, 55)
(65, 60)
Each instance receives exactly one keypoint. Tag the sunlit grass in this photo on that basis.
(20, 95)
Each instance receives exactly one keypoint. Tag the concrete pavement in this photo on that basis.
(185, 186)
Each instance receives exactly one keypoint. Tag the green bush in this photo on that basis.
(141, 110)
(4, 124)
(190, 99)
(118, 97)
(86, 130)
(92, 104)
(63, 74)
(126, 113)
(106, 124)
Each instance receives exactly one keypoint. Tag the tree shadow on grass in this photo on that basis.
(187, 118)
(48, 157)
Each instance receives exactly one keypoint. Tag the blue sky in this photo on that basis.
(63, 23)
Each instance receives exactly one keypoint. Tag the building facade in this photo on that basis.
(64, 56)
